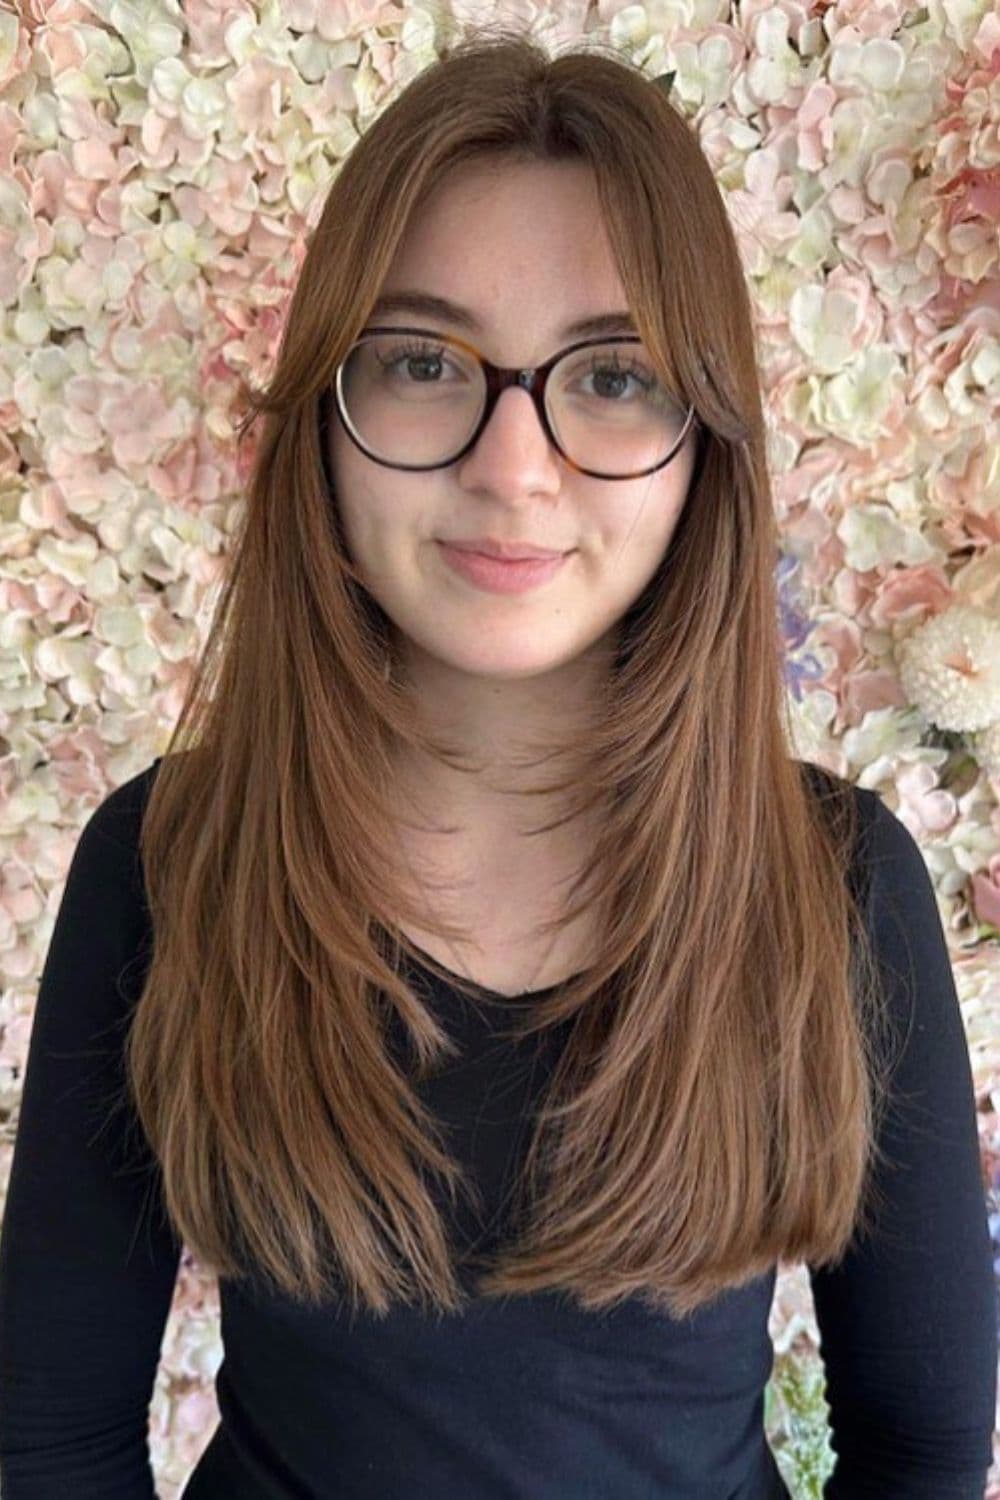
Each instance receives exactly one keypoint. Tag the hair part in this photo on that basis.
(713, 1107)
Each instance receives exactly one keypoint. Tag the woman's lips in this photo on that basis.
(498, 576)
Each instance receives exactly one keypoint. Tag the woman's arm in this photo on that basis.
(908, 1320)
(87, 1266)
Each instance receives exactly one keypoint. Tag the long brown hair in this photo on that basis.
(714, 1106)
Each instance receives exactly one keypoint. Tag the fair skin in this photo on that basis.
(522, 246)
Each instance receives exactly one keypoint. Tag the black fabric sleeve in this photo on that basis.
(908, 1319)
(87, 1262)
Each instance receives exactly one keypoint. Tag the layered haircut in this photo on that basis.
(714, 1105)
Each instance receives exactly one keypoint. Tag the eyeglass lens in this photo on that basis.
(417, 400)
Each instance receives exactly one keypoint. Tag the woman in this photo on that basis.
(518, 1000)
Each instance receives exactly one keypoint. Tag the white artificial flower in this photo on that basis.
(950, 668)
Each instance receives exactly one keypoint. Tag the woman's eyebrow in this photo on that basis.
(427, 304)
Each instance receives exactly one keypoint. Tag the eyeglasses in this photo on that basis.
(413, 399)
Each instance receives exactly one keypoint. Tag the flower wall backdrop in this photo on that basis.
(160, 165)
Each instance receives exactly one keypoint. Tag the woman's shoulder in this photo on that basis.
(119, 815)
(823, 781)
(829, 786)
(870, 830)
(884, 840)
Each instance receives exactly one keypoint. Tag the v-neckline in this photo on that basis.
(526, 997)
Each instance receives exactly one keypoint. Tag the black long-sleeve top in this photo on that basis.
(527, 1400)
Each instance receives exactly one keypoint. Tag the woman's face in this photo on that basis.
(522, 247)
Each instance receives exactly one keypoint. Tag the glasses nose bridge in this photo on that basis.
(531, 379)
